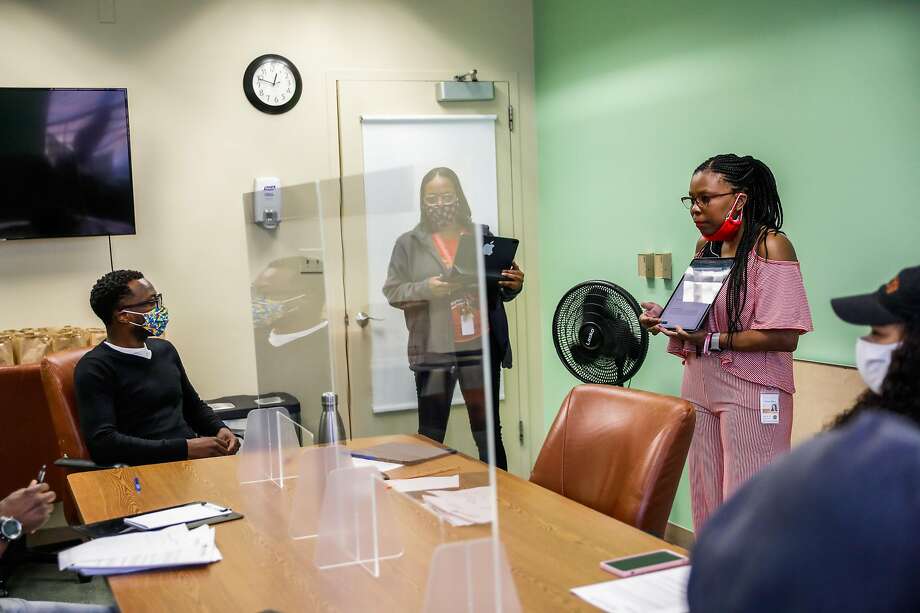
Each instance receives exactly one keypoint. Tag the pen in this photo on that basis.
(137, 485)
(41, 474)
(364, 456)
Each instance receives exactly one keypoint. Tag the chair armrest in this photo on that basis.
(77, 464)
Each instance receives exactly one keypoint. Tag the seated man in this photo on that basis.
(23, 512)
(136, 403)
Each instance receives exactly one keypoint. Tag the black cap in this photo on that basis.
(895, 302)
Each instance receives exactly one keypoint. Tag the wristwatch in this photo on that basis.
(10, 529)
(714, 342)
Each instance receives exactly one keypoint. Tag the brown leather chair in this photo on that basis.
(26, 436)
(57, 379)
(618, 451)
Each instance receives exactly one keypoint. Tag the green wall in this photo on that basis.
(632, 95)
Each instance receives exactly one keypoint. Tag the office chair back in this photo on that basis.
(618, 451)
(57, 379)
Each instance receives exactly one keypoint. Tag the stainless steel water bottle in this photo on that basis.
(331, 428)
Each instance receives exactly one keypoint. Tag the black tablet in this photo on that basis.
(497, 254)
(689, 305)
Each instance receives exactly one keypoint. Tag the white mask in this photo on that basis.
(873, 361)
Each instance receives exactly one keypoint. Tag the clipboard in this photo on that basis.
(117, 525)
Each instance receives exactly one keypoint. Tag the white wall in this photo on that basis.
(197, 143)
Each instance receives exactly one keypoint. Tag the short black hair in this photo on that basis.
(108, 290)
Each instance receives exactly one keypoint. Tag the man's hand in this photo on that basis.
(227, 437)
(205, 447)
(30, 505)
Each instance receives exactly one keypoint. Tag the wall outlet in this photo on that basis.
(312, 265)
(647, 265)
(662, 265)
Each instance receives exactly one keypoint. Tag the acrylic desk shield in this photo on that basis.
(418, 373)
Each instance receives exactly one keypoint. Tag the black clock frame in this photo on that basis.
(250, 92)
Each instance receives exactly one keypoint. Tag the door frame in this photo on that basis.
(525, 308)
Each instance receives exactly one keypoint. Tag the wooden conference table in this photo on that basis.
(553, 544)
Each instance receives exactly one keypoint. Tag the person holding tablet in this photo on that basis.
(442, 316)
(738, 364)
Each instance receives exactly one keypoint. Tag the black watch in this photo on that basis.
(10, 529)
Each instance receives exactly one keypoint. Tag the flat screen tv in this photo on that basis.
(65, 163)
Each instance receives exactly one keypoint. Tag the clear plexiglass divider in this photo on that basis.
(420, 402)
(271, 447)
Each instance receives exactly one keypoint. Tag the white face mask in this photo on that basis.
(873, 361)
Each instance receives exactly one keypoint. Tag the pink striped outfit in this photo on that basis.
(729, 442)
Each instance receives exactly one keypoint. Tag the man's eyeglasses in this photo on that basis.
(441, 199)
(155, 302)
(703, 199)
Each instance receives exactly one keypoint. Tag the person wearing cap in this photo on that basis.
(888, 358)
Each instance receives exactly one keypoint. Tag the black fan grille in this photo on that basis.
(568, 320)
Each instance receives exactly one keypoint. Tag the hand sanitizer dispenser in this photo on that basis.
(266, 202)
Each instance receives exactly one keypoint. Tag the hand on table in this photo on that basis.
(230, 440)
(206, 447)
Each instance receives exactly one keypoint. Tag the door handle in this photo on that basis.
(363, 319)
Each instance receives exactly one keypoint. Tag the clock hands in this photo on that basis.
(275, 80)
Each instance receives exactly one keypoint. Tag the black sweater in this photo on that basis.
(139, 411)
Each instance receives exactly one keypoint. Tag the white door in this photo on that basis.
(389, 134)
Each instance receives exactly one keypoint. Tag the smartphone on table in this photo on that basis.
(642, 563)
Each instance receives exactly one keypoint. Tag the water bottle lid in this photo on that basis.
(330, 399)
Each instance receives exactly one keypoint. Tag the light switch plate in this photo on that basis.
(662, 265)
(647, 265)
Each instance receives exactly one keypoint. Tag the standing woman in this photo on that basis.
(445, 333)
(739, 364)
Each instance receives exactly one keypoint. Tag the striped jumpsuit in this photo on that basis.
(730, 442)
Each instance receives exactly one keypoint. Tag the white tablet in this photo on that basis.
(689, 305)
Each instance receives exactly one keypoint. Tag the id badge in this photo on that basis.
(467, 324)
(769, 407)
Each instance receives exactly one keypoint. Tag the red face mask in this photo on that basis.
(730, 227)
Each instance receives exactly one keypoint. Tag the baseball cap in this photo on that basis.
(895, 302)
(830, 527)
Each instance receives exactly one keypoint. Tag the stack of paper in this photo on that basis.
(462, 507)
(664, 591)
(130, 553)
(185, 514)
(422, 484)
(381, 466)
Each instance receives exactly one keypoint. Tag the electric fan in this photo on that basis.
(597, 334)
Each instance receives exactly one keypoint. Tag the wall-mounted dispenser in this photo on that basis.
(266, 202)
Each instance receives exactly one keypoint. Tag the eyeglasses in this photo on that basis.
(703, 199)
(446, 199)
(155, 302)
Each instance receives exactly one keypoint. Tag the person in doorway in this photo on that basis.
(445, 332)
(137, 405)
(739, 362)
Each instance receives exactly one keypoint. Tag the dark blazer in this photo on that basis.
(414, 260)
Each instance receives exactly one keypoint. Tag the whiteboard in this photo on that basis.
(398, 152)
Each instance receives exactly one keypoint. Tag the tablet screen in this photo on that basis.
(697, 290)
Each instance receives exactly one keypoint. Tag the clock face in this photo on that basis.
(272, 84)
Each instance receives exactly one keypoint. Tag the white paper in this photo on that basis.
(421, 484)
(462, 507)
(381, 466)
(127, 553)
(180, 515)
(664, 591)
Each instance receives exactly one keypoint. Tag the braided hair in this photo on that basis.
(763, 213)
(109, 290)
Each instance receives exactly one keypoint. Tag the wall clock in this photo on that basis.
(272, 84)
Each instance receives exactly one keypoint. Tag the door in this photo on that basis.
(381, 392)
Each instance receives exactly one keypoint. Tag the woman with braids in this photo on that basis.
(889, 357)
(739, 364)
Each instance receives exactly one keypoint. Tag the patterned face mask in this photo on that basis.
(443, 216)
(266, 311)
(155, 320)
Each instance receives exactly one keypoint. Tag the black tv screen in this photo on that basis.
(65, 163)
